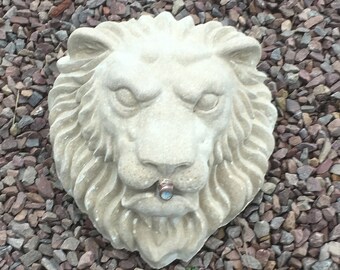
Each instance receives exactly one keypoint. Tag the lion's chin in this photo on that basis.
(160, 240)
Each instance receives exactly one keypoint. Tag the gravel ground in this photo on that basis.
(293, 223)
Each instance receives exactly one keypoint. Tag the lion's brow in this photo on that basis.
(122, 82)
(182, 57)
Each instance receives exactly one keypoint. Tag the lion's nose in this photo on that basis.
(167, 169)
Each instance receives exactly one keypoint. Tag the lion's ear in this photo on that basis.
(87, 43)
(245, 52)
(236, 47)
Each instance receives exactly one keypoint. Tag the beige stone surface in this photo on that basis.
(141, 101)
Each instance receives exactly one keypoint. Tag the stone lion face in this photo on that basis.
(135, 105)
(166, 127)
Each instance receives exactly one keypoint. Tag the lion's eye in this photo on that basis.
(126, 97)
(206, 103)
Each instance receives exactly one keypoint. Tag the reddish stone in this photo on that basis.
(263, 255)
(300, 252)
(325, 166)
(323, 201)
(38, 124)
(58, 10)
(3, 237)
(335, 87)
(19, 20)
(313, 184)
(290, 221)
(9, 144)
(316, 81)
(19, 203)
(119, 9)
(335, 233)
(38, 78)
(314, 216)
(86, 260)
(280, 154)
(334, 127)
(301, 55)
(295, 140)
(313, 21)
(328, 213)
(233, 255)
(9, 101)
(13, 72)
(317, 239)
(44, 187)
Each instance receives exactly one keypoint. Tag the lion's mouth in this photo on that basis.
(150, 204)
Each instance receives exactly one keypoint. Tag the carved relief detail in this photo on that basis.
(161, 131)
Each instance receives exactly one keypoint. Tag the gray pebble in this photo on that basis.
(20, 44)
(286, 238)
(292, 179)
(94, 3)
(15, 242)
(177, 6)
(327, 67)
(306, 39)
(10, 48)
(324, 253)
(25, 121)
(234, 231)
(261, 229)
(72, 258)
(31, 243)
(323, 265)
(283, 258)
(9, 181)
(49, 264)
(334, 248)
(292, 106)
(213, 243)
(61, 35)
(308, 262)
(254, 217)
(59, 255)
(305, 171)
(70, 243)
(216, 12)
(32, 142)
(336, 48)
(207, 259)
(251, 262)
(292, 78)
(29, 176)
(276, 54)
(22, 229)
(30, 257)
(336, 95)
(10, 13)
(276, 222)
(5, 249)
(335, 169)
(46, 249)
(7, 113)
(268, 188)
(290, 68)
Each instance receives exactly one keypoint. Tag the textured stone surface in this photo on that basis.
(182, 156)
(28, 58)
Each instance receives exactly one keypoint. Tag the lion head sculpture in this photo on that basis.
(141, 101)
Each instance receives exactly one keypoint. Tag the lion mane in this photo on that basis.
(85, 158)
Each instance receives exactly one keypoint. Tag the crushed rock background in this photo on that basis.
(293, 223)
